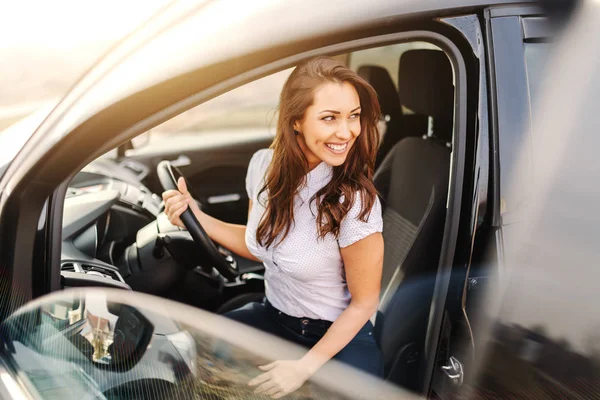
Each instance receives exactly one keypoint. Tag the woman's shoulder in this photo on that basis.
(260, 161)
(356, 225)
(258, 166)
(357, 198)
(373, 212)
(262, 156)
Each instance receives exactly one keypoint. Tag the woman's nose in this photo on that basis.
(344, 132)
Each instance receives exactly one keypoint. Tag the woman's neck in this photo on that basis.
(313, 165)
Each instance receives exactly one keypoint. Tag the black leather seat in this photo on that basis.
(413, 183)
(426, 87)
(389, 101)
(413, 66)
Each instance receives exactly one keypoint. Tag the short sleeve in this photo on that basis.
(353, 229)
(256, 170)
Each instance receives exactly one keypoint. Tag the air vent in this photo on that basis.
(95, 270)
(71, 267)
(92, 270)
(68, 267)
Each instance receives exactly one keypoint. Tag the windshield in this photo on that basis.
(112, 344)
(48, 40)
(14, 137)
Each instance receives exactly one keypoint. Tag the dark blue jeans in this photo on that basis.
(362, 352)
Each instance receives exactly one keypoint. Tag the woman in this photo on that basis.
(315, 222)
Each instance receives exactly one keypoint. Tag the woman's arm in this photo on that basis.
(363, 262)
(230, 236)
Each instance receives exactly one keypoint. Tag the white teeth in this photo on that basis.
(337, 147)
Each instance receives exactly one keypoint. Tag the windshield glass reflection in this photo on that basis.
(117, 344)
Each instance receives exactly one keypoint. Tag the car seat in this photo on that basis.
(413, 183)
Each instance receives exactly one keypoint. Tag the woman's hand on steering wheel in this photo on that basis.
(177, 201)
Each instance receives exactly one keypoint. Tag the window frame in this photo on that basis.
(510, 102)
(457, 168)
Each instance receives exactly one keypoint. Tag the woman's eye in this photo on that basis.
(328, 118)
(355, 115)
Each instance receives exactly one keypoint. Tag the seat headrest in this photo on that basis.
(382, 82)
(425, 83)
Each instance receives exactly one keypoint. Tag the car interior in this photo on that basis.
(116, 235)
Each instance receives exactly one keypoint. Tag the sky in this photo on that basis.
(62, 24)
(45, 46)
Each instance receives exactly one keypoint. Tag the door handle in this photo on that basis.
(224, 198)
(454, 371)
(181, 161)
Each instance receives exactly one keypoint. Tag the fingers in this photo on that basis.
(179, 209)
(268, 388)
(175, 212)
(173, 197)
(271, 392)
(170, 194)
(174, 203)
(175, 206)
(262, 378)
(182, 186)
(268, 366)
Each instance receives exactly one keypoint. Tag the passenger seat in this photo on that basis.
(413, 182)
(389, 102)
(426, 87)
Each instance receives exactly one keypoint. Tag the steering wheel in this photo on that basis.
(168, 176)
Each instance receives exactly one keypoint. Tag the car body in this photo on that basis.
(56, 192)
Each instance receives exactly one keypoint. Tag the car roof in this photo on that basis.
(192, 45)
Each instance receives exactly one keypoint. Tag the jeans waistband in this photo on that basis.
(296, 321)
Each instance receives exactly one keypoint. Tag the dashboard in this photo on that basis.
(116, 234)
(105, 206)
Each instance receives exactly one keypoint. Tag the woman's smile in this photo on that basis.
(337, 148)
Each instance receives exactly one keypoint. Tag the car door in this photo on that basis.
(139, 346)
(542, 338)
(215, 173)
(515, 53)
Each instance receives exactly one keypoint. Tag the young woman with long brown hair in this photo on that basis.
(315, 222)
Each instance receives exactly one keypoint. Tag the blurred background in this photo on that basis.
(46, 46)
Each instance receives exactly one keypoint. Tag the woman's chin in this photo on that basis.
(335, 161)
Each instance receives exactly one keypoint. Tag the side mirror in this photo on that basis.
(82, 328)
(141, 140)
(121, 347)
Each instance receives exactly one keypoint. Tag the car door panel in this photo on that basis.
(216, 173)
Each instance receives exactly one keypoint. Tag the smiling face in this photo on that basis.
(330, 125)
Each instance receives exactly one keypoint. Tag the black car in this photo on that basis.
(474, 301)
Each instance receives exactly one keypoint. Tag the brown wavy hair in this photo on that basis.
(289, 166)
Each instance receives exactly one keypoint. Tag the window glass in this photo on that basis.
(123, 350)
(63, 313)
(249, 110)
(387, 57)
